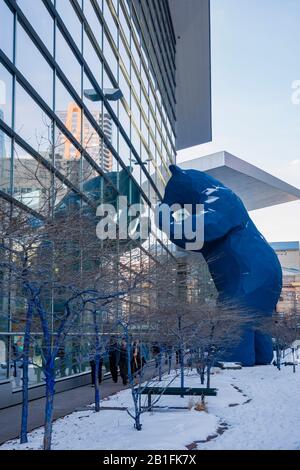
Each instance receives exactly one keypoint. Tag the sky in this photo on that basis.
(255, 62)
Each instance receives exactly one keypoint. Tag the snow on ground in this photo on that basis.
(256, 408)
(271, 420)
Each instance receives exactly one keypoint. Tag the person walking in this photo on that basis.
(61, 361)
(123, 361)
(93, 368)
(17, 359)
(169, 353)
(138, 360)
(156, 353)
(113, 358)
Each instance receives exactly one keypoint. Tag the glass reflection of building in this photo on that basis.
(50, 54)
(91, 140)
(2, 148)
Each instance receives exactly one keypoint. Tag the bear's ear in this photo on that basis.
(174, 169)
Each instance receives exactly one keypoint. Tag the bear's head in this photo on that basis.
(221, 209)
(189, 187)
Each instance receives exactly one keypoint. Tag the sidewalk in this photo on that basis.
(64, 404)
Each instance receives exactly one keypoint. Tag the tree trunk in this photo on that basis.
(169, 363)
(159, 366)
(202, 375)
(25, 378)
(137, 411)
(278, 357)
(128, 347)
(181, 370)
(50, 390)
(96, 378)
(97, 363)
(294, 366)
(208, 376)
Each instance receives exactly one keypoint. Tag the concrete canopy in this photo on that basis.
(256, 188)
(191, 23)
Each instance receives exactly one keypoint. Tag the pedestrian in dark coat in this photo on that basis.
(123, 362)
(93, 368)
(177, 355)
(156, 353)
(113, 359)
(138, 361)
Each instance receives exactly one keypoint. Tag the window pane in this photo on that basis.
(68, 111)
(88, 93)
(136, 112)
(6, 30)
(5, 163)
(88, 173)
(63, 196)
(68, 62)
(29, 61)
(110, 57)
(124, 55)
(125, 88)
(124, 25)
(93, 60)
(110, 132)
(135, 82)
(5, 95)
(110, 22)
(124, 150)
(67, 158)
(70, 19)
(32, 123)
(91, 138)
(93, 21)
(32, 181)
(40, 19)
(124, 119)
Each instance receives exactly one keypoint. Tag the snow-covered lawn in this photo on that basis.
(256, 408)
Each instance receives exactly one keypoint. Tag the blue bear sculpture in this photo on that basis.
(243, 266)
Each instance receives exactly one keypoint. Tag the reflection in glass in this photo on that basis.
(47, 193)
(93, 21)
(67, 158)
(124, 119)
(40, 19)
(31, 181)
(5, 163)
(124, 25)
(110, 22)
(34, 67)
(70, 19)
(124, 55)
(68, 62)
(6, 30)
(32, 123)
(110, 57)
(5, 96)
(92, 59)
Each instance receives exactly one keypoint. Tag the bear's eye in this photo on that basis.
(181, 215)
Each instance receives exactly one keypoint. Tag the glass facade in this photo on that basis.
(55, 55)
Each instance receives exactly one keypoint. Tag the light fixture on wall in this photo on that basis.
(111, 94)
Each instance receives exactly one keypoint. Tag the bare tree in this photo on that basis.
(284, 330)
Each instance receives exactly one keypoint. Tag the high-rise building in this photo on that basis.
(289, 256)
(91, 141)
(154, 53)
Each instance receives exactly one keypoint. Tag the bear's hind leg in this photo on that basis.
(263, 349)
(244, 351)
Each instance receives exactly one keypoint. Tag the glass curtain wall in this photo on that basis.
(54, 57)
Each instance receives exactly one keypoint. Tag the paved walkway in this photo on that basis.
(64, 403)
